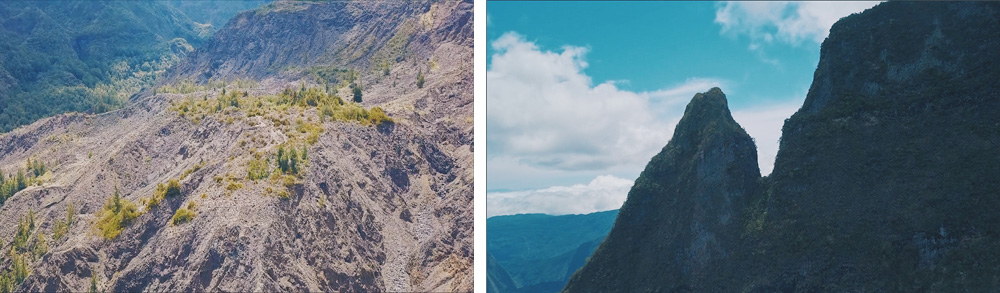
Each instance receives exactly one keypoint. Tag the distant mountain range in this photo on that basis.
(538, 253)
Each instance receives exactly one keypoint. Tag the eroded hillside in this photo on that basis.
(247, 181)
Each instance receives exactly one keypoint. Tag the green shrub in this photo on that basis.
(357, 93)
(15, 274)
(60, 226)
(93, 282)
(258, 168)
(41, 245)
(420, 79)
(183, 215)
(283, 194)
(233, 186)
(117, 213)
(25, 226)
(171, 189)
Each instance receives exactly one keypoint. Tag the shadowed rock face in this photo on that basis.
(377, 208)
(679, 220)
(886, 179)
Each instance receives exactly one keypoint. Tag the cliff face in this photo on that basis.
(679, 222)
(370, 203)
(885, 179)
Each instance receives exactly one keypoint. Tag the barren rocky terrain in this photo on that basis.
(376, 204)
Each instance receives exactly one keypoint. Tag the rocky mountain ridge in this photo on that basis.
(884, 179)
(273, 182)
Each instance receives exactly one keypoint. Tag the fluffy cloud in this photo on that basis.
(764, 125)
(604, 193)
(788, 22)
(543, 110)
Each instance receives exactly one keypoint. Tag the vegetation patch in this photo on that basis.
(117, 213)
(184, 215)
(277, 107)
(171, 189)
(21, 250)
(60, 226)
(11, 184)
(193, 169)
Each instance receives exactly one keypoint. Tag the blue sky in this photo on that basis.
(581, 94)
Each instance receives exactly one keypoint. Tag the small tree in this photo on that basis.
(93, 282)
(420, 79)
(357, 94)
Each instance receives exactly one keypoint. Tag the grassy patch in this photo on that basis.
(117, 213)
(184, 215)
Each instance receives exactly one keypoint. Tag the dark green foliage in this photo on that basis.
(36, 167)
(291, 162)
(86, 56)
(173, 188)
(22, 182)
(11, 184)
(420, 79)
(93, 282)
(15, 274)
(357, 93)
(282, 159)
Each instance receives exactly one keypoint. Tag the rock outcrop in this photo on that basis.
(681, 219)
(885, 179)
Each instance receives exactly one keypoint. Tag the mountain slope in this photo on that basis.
(680, 218)
(214, 13)
(282, 183)
(540, 252)
(86, 56)
(884, 181)
(497, 279)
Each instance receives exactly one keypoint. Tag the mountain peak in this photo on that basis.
(685, 205)
(713, 97)
(707, 112)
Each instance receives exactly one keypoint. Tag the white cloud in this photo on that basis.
(603, 193)
(764, 125)
(543, 110)
(788, 22)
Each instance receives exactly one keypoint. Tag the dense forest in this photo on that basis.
(91, 56)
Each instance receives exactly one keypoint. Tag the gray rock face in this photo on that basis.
(679, 223)
(377, 208)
